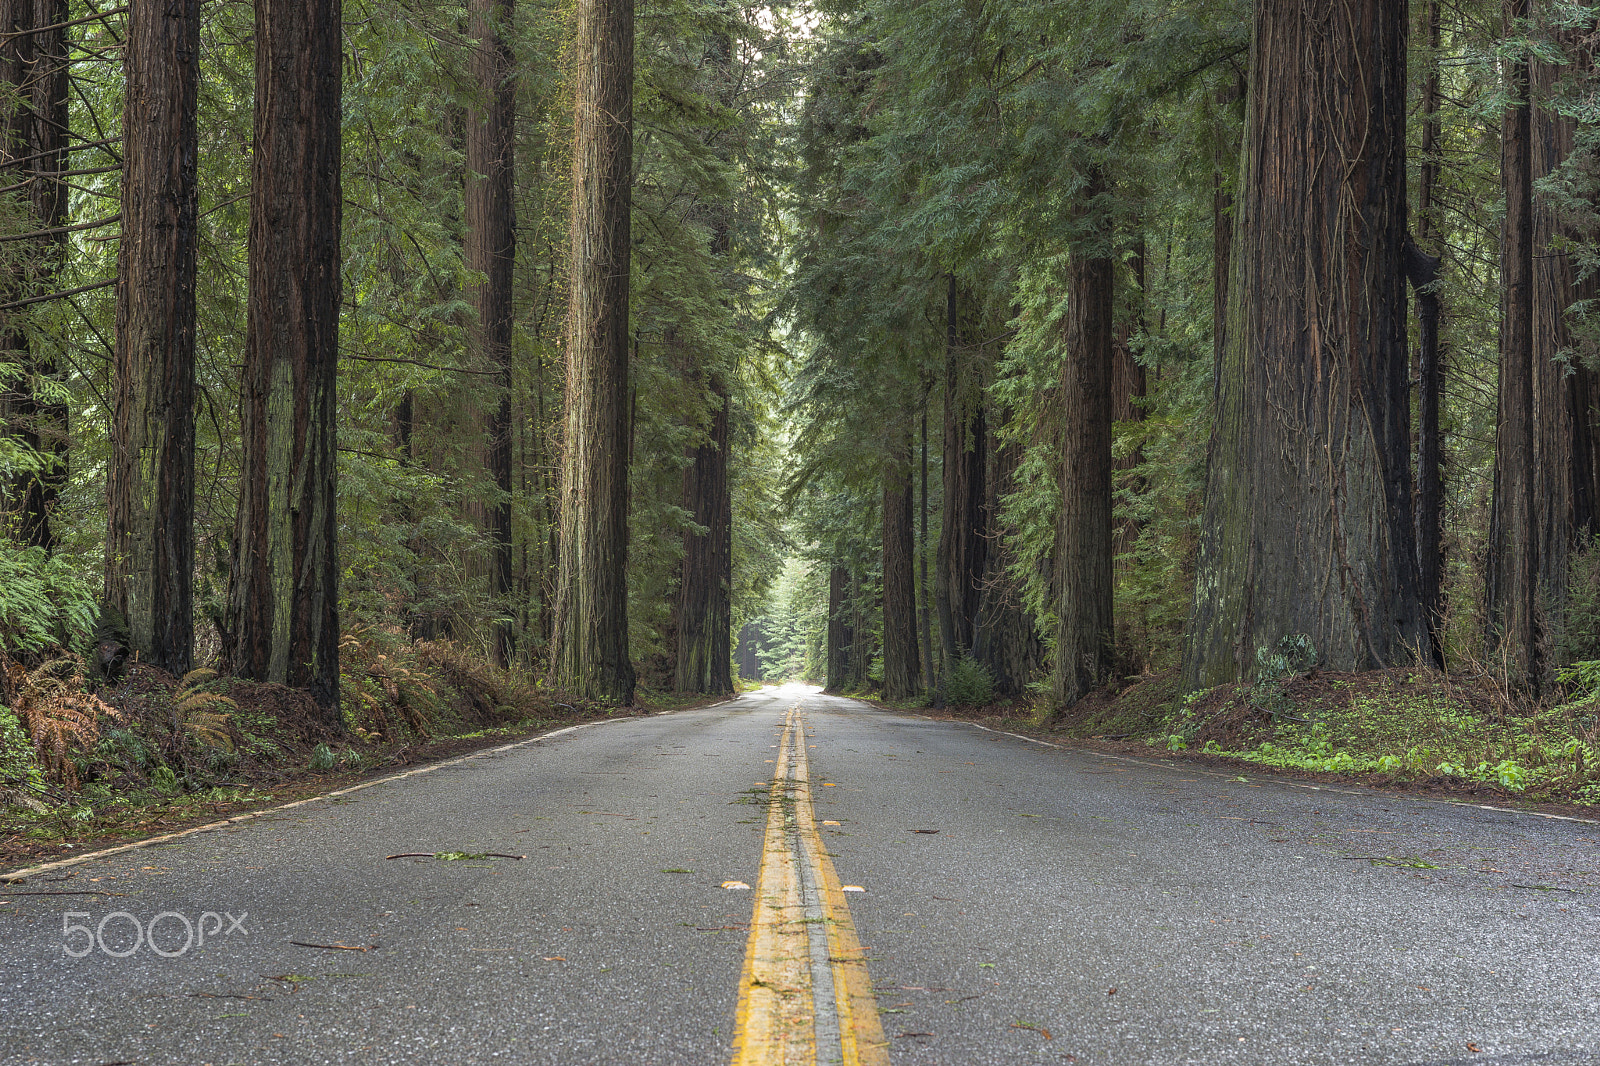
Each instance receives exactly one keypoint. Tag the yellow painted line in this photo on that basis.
(860, 1032)
(774, 1025)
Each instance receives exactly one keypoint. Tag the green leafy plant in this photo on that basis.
(969, 683)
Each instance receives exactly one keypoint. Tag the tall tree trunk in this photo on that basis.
(1307, 528)
(1128, 391)
(283, 601)
(705, 608)
(901, 671)
(841, 628)
(924, 611)
(1513, 527)
(1083, 564)
(589, 646)
(705, 603)
(1006, 640)
(1225, 165)
(962, 541)
(149, 572)
(491, 249)
(33, 66)
(1566, 393)
(1430, 372)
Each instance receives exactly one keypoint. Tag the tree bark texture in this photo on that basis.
(1566, 393)
(1006, 640)
(33, 66)
(930, 677)
(901, 671)
(841, 629)
(705, 602)
(491, 249)
(589, 645)
(963, 544)
(1514, 534)
(1128, 390)
(283, 601)
(1308, 527)
(705, 615)
(1084, 543)
(150, 489)
(1430, 370)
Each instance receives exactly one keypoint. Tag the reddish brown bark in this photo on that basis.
(589, 641)
(1308, 528)
(283, 617)
(1514, 536)
(150, 492)
(1084, 543)
(491, 250)
(901, 670)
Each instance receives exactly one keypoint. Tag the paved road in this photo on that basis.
(1069, 908)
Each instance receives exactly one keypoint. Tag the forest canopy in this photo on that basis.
(947, 350)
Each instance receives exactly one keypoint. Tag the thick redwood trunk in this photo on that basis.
(1514, 534)
(1430, 371)
(284, 598)
(901, 670)
(963, 544)
(1084, 543)
(1128, 390)
(589, 642)
(1007, 639)
(491, 249)
(1566, 393)
(841, 629)
(150, 490)
(33, 67)
(1308, 528)
(704, 605)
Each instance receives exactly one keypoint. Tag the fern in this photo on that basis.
(196, 710)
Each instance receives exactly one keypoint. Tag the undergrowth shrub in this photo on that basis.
(45, 601)
(969, 683)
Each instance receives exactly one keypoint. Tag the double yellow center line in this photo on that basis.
(804, 995)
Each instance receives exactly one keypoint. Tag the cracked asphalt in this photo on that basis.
(1057, 906)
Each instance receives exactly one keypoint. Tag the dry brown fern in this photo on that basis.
(59, 715)
(197, 711)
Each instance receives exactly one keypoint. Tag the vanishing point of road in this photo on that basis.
(795, 878)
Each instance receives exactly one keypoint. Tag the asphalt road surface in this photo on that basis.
(1018, 903)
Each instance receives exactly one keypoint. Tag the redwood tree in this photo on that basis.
(589, 640)
(283, 599)
(1307, 529)
(33, 154)
(1083, 583)
(705, 613)
(150, 540)
(901, 668)
(1513, 572)
(491, 249)
(963, 531)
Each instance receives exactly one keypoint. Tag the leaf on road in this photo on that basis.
(829, 822)
(329, 947)
(676, 870)
(930, 832)
(1041, 1030)
(734, 884)
(554, 958)
(854, 888)
(1474, 1047)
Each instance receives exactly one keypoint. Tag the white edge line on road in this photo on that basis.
(33, 871)
(1277, 780)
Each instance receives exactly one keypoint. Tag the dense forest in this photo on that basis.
(951, 350)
